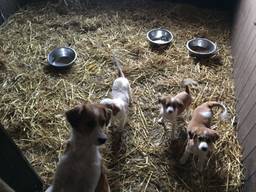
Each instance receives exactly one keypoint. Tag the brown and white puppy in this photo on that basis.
(171, 106)
(200, 135)
(121, 97)
(80, 168)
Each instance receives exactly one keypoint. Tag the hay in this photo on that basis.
(141, 157)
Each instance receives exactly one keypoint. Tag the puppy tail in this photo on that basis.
(187, 82)
(118, 65)
(224, 115)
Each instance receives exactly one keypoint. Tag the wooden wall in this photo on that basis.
(244, 52)
(7, 8)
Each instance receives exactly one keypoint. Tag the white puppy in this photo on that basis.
(121, 96)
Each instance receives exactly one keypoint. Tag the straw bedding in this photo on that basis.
(142, 157)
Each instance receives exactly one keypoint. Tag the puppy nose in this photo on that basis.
(204, 148)
(102, 140)
(170, 110)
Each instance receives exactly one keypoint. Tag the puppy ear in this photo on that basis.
(113, 108)
(73, 116)
(190, 135)
(213, 135)
(108, 114)
(162, 100)
(179, 104)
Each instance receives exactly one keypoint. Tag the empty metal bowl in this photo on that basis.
(62, 57)
(201, 47)
(159, 37)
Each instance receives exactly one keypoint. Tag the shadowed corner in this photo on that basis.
(212, 62)
(159, 49)
(53, 71)
(2, 65)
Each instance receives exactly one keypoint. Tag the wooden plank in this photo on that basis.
(241, 40)
(250, 165)
(249, 143)
(243, 31)
(250, 185)
(245, 47)
(8, 7)
(247, 69)
(242, 17)
(244, 54)
(248, 83)
(246, 126)
(247, 108)
(248, 48)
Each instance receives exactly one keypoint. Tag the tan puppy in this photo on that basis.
(80, 169)
(171, 106)
(200, 135)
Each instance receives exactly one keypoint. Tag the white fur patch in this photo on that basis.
(203, 145)
(106, 101)
(49, 189)
(206, 114)
(98, 158)
(224, 115)
(169, 110)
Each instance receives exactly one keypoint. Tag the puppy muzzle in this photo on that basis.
(169, 110)
(203, 146)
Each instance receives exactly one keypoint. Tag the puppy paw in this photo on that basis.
(160, 121)
(201, 169)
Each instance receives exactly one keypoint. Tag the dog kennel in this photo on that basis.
(141, 158)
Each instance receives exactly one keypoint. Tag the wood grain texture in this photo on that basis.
(244, 53)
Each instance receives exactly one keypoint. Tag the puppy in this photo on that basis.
(200, 135)
(80, 169)
(121, 97)
(171, 107)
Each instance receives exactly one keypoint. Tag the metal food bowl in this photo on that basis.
(201, 47)
(159, 37)
(62, 57)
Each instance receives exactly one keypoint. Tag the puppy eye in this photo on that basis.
(102, 123)
(200, 138)
(91, 124)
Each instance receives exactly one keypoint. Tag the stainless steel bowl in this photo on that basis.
(62, 57)
(201, 47)
(159, 37)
